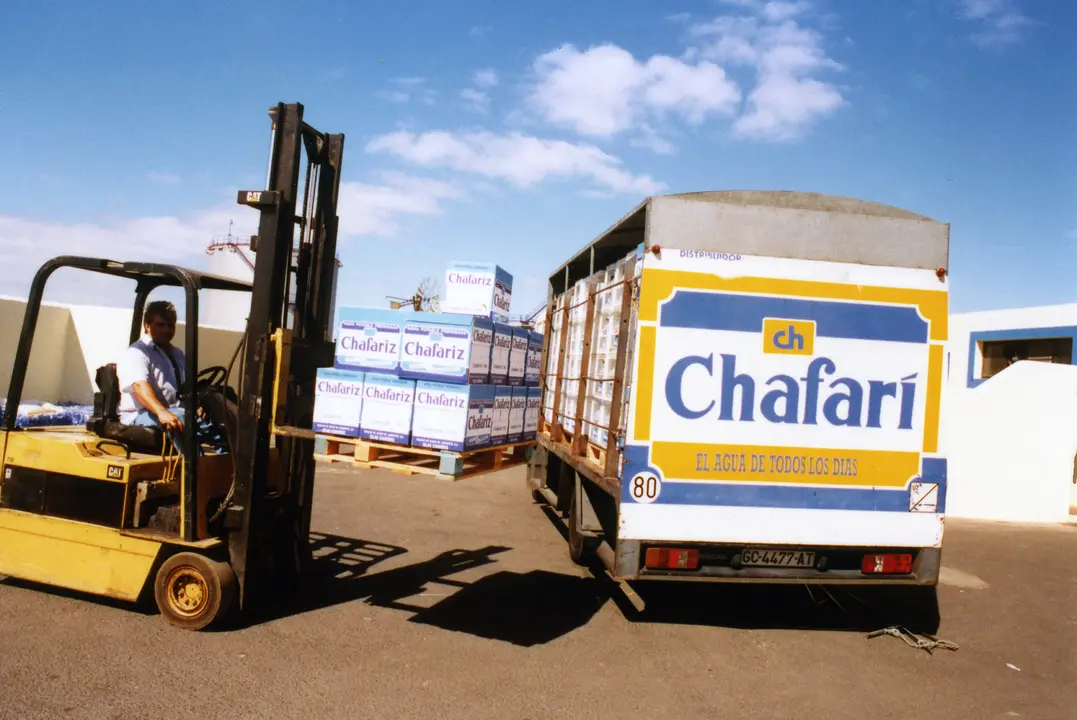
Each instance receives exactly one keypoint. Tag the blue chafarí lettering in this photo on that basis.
(675, 380)
(730, 382)
(908, 393)
(843, 404)
(791, 395)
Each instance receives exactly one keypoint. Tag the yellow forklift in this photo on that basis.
(219, 520)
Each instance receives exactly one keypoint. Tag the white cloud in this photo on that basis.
(476, 99)
(160, 177)
(604, 90)
(786, 56)
(652, 141)
(26, 243)
(413, 89)
(1001, 21)
(485, 78)
(522, 160)
(373, 209)
(777, 12)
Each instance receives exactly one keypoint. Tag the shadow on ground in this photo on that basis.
(523, 609)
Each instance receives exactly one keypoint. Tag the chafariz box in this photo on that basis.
(368, 339)
(388, 402)
(447, 348)
(338, 402)
(502, 408)
(477, 289)
(500, 355)
(518, 355)
(517, 410)
(452, 417)
(531, 413)
(533, 361)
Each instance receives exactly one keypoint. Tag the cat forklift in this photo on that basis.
(215, 520)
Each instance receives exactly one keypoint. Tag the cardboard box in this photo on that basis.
(388, 402)
(499, 435)
(518, 355)
(338, 402)
(368, 339)
(533, 361)
(442, 347)
(516, 414)
(452, 417)
(473, 288)
(531, 413)
(500, 355)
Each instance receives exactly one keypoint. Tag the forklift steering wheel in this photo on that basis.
(212, 376)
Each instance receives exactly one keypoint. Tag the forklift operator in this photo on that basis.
(150, 373)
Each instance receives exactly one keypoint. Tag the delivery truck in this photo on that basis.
(747, 386)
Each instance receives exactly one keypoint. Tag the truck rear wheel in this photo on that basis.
(193, 591)
(579, 547)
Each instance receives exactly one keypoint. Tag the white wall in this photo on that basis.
(1011, 444)
(72, 341)
(47, 359)
(1011, 440)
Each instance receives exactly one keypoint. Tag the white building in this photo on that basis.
(1010, 414)
(232, 258)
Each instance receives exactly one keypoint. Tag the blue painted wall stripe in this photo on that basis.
(861, 321)
(1040, 333)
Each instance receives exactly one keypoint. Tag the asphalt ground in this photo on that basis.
(447, 600)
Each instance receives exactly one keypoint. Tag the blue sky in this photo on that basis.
(516, 132)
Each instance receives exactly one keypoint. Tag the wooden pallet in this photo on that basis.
(445, 464)
(593, 455)
(569, 439)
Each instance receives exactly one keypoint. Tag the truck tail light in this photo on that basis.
(672, 559)
(887, 564)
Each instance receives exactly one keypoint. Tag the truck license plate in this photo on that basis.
(759, 557)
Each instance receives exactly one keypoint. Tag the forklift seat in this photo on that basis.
(105, 421)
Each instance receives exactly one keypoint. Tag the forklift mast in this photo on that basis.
(268, 516)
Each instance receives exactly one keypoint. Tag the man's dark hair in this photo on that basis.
(162, 309)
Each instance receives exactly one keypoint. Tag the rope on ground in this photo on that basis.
(925, 642)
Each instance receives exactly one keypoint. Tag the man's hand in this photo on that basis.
(148, 398)
(169, 421)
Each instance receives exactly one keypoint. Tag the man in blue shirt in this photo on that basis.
(151, 373)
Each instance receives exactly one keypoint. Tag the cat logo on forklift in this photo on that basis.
(115, 472)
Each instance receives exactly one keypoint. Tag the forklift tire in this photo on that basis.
(193, 591)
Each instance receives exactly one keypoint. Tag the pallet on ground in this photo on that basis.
(446, 464)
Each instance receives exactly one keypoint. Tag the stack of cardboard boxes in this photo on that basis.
(461, 379)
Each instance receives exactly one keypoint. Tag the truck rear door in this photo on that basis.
(780, 401)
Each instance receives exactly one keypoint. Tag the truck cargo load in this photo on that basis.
(748, 385)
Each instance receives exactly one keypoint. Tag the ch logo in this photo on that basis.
(788, 337)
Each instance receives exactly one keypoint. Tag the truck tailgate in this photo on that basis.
(782, 401)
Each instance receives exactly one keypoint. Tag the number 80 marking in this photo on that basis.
(645, 487)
